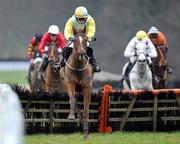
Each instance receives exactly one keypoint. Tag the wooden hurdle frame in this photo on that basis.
(110, 110)
(134, 95)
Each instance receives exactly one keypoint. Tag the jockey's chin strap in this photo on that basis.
(78, 69)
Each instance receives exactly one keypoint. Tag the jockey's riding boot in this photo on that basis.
(43, 68)
(126, 73)
(61, 61)
(97, 67)
(91, 54)
(65, 55)
(68, 52)
(154, 79)
(128, 69)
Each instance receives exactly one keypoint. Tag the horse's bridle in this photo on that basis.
(79, 69)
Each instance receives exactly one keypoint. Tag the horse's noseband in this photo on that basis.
(142, 61)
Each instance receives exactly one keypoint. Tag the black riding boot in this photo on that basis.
(154, 79)
(43, 68)
(97, 67)
(59, 64)
(126, 73)
(66, 53)
(91, 54)
(128, 69)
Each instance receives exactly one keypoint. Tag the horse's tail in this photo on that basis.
(11, 119)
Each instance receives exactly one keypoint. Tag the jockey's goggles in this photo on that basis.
(53, 35)
(153, 35)
(81, 19)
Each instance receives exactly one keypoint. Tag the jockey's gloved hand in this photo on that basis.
(59, 50)
(44, 56)
(72, 38)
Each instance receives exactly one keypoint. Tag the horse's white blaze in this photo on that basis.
(11, 117)
(80, 39)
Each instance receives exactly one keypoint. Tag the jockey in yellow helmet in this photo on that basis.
(130, 51)
(81, 20)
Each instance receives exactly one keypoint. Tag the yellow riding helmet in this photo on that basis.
(81, 12)
(140, 35)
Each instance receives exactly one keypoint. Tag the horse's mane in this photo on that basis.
(80, 33)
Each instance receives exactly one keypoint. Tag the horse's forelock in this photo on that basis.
(52, 51)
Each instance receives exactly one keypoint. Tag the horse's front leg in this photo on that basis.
(87, 99)
(72, 100)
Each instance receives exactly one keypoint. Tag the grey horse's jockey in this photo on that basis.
(130, 51)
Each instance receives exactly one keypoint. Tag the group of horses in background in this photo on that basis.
(78, 72)
(141, 76)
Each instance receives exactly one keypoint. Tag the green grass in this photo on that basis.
(13, 77)
(114, 138)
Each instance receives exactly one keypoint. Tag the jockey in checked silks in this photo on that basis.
(130, 52)
(32, 50)
(81, 20)
(53, 35)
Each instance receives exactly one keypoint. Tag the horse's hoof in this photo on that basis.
(71, 117)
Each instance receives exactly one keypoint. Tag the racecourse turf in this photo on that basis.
(114, 138)
(15, 77)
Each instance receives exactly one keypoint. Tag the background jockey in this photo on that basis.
(81, 20)
(130, 52)
(157, 37)
(53, 35)
(32, 50)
